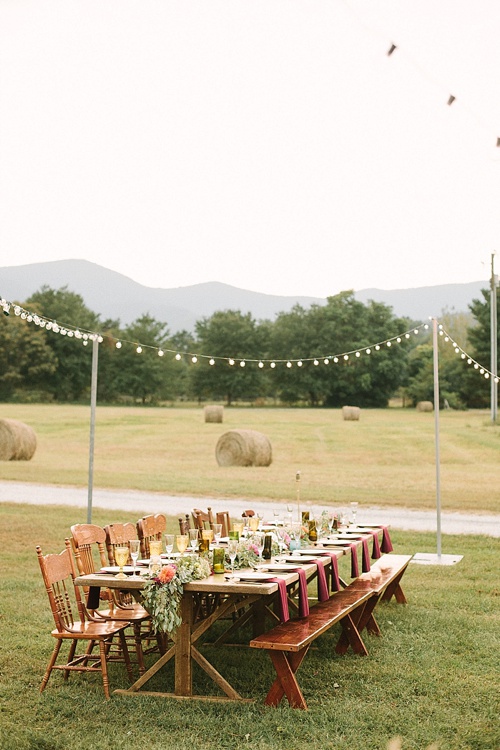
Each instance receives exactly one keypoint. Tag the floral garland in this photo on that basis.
(163, 592)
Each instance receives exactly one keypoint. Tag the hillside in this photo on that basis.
(113, 295)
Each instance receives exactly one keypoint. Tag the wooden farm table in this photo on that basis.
(233, 597)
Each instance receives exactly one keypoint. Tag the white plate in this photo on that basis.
(172, 556)
(302, 559)
(127, 569)
(312, 551)
(285, 567)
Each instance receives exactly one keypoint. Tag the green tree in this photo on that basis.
(71, 379)
(229, 334)
(476, 389)
(137, 368)
(26, 360)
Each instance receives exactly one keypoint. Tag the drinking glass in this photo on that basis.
(354, 510)
(258, 541)
(135, 547)
(193, 539)
(182, 542)
(296, 533)
(281, 533)
(232, 551)
(169, 544)
(253, 523)
(238, 526)
(260, 516)
(217, 532)
(155, 547)
(121, 558)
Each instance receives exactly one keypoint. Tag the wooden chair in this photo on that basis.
(58, 572)
(148, 528)
(223, 518)
(248, 513)
(184, 524)
(89, 544)
(118, 535)
(201, 519)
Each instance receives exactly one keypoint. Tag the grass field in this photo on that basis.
(387, 458)
(433, 676)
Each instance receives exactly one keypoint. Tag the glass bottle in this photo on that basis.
(267, 551)
(313, 534)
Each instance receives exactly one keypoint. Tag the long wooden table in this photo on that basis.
(227, 597)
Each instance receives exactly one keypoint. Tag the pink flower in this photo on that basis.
(166, 574)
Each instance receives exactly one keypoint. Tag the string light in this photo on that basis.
(86, 336)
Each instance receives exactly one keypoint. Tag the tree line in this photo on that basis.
(37, 365)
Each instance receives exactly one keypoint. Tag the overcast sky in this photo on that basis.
(268, 144)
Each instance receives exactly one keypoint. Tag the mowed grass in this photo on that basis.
(433, 676)
(387, 458)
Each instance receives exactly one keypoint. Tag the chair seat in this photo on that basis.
(132, 614)
(88, 630)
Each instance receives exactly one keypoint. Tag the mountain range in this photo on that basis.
(115, 296)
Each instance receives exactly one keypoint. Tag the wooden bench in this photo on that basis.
(288, 643)
(386, 583)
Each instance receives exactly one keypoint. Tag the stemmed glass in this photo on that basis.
(296, 532)
(182, 542)
(169, 544)
(281, 534)
(232, 551)
(217, 527)
(121, 558)
(258, 541)
(260, 516)
(193, 539)
(354, 510)
(135, 546)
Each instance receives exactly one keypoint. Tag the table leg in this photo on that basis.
(183, 664)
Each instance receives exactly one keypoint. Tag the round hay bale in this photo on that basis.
(425, 406)
(214, 413)
(243, 448)
(17, 440)
(351, 413)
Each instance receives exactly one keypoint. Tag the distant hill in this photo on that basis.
(113, 295)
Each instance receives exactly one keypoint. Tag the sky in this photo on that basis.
(273, 145)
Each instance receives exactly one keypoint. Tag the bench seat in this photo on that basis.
(288, 643)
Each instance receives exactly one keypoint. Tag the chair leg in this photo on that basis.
(71, 654)
(104, 667)
(138, 646)
(128, 665)
(52, 661)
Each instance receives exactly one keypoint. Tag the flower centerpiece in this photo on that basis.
(163, 592)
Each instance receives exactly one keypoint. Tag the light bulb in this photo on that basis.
(288, 364)
(139, 350)
(211, 361)
(326, 361)
(368, 351)
(261, 365)
(316, 363)
(299, 363)
(389, 343)
(231, 362)
(178, 357)
(242, 363)
(194, 359)
(273, 365)
(160, 352)
(346, 357)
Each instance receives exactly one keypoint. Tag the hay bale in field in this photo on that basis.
(243, 448)
(351, 413)
(17, 440)
(425, 406)
(214, 413)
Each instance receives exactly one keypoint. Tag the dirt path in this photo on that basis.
(145, 502)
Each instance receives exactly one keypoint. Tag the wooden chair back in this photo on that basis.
(184, 524)
(248, 513)
(119, 535)
(89, 546)
(58, 572)
(148, 528)
(223, 518)
(201, 519)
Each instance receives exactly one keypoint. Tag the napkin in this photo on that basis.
(322, 584)
(303, 600)
(376, 545)
(386, 540)
(335, 572)
(282, 602)
(366, 556)
(93, 597)
(354, 561)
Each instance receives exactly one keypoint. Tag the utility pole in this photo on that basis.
(494, 339)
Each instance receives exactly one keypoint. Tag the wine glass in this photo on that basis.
(182, 542)
(193, 539)
(121, 559)
(260, 516)
(258, 541)
(169, 544)
(296, 533)
(281, 533)
(155, 546)
(232, 551)
(354, 510)
(217, 532)
(135, 546)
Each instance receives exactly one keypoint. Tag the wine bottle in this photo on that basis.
(267, 551)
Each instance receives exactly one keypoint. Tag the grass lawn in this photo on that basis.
(433, 677)
(387, 458)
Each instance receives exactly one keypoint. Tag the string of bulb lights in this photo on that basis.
(85, 336)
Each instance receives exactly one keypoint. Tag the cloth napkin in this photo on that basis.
(366, 556)
(386, 540)
(354, 561)
(282, 602)
(322, 584)
(303, 600)
(376, 553)
(335, 571)
(93, 597)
